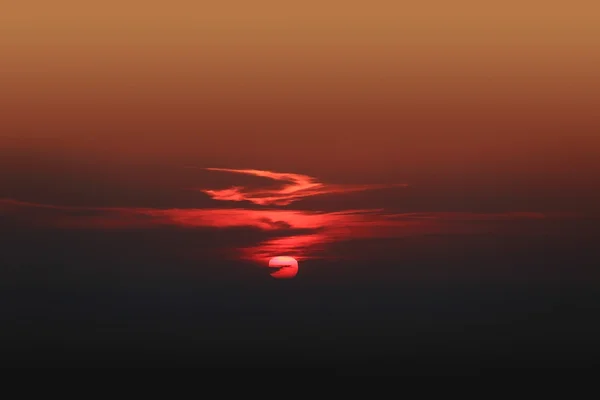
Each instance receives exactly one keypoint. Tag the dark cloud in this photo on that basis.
(302, 234)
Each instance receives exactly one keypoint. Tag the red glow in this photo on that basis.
(297, 233)
(322, 228)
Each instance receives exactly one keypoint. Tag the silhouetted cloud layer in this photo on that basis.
(302, 234)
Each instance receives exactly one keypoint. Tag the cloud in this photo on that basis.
(302, 234)
(295, 187)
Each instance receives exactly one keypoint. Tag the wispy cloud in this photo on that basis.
(293, 232)
(294, 187)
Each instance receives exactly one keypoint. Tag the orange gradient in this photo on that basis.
(487, 91)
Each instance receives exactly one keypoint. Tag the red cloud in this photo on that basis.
(322, 227)
(296, 188)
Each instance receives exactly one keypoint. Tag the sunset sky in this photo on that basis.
(438, 140)
(469, 107)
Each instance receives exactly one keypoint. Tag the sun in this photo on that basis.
(284, 267)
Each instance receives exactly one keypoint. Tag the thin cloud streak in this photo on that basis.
(296, 187)
(318, 229)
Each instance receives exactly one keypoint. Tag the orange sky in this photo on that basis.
(437, 93)
(433, 166)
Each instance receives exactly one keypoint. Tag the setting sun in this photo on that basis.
(286, 267)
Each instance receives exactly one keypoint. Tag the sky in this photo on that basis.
(150, 142)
